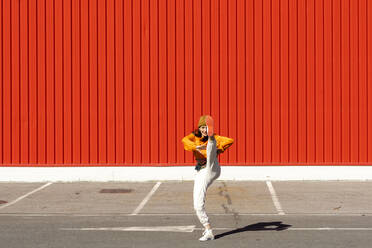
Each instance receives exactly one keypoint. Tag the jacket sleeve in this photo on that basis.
(223, 143)
(189, 142)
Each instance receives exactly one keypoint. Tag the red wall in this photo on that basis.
(121, 82)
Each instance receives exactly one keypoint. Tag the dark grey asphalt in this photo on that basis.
(249, 231)
(243, 214)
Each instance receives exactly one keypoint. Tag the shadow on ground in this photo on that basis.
(261, 226)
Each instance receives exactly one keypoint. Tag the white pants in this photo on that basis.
(203, 179)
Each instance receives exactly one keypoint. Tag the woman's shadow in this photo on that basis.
(261, 226)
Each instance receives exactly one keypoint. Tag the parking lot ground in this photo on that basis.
(160, 214)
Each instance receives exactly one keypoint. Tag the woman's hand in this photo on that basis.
(199, 148)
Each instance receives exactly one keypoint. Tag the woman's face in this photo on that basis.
(203, 130)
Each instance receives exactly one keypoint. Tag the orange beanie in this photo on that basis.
(202, 121)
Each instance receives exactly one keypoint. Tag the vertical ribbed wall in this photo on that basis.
(86, 82)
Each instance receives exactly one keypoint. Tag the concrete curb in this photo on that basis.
(140, 174)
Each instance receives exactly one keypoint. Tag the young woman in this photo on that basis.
(205, 146)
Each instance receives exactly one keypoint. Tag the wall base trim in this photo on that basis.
(250, 173)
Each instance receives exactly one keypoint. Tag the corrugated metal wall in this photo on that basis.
(85, 82)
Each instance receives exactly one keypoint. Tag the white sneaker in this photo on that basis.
(207, 235)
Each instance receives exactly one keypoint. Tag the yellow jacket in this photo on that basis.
(191, 141)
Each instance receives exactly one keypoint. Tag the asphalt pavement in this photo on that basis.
(159, 214)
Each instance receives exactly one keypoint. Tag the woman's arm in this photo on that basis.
(189, 142)
(223, 143)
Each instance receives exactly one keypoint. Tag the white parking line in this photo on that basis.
(147, 198)
(136, 229)
(193, 228)
(277, 204)
(174, 214)
(24, 196)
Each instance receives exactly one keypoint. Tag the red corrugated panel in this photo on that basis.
(369, 80)
(59, 76)
(301, 82)
(223, 76)
(121, 82)
(85, 100)
(32, 83)
(1, 87)
(15, 82)
(275, 86)
(24, 101)
(336, 74)
(327, 82)
(363, 110)
(129, 133)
